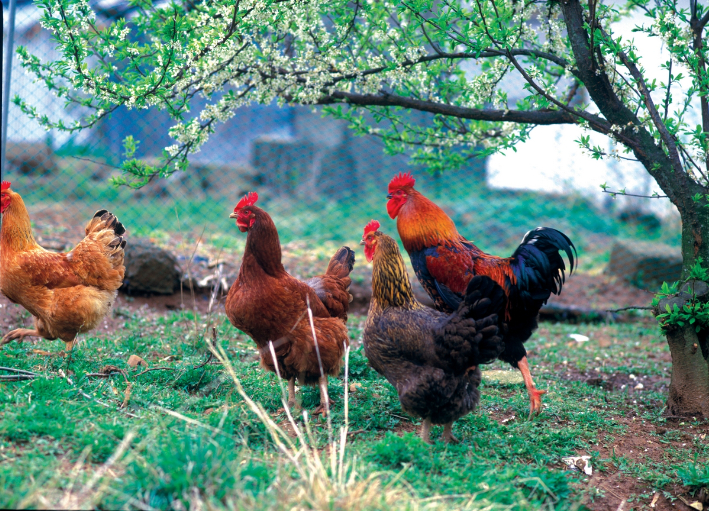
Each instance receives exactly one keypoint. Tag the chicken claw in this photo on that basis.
(18, 335)
(448, 435)
(535, 401)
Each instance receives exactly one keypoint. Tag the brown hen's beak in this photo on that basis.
(233, 215)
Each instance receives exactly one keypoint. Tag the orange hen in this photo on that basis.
(66, 293)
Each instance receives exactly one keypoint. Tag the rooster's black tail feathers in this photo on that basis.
(537, 264)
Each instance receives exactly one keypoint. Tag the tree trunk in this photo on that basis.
(688, 393)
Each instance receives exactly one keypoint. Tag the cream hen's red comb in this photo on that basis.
(248, 200)
(5, 185)
(401, 180)
(371, 227)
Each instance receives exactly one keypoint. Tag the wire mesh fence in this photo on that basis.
(320, 183)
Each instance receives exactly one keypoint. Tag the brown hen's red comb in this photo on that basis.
(5, 185)
(401, 180)
(248, 200)
(371, 227)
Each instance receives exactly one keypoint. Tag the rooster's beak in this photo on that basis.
(233, 215)
(362, 242)
(389, 195)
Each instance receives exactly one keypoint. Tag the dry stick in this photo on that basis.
(162, 368)
(14, 370)
(320, 365)
(633, 307)
(190, 421)
(189, 272)
(324, 383)
(218, 281)
(16, 377)
(265, 418)
(344, 430)
(114, 457)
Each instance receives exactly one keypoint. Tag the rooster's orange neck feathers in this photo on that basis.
(16, 234)
(422, 224)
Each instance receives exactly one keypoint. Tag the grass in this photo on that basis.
(218, 436)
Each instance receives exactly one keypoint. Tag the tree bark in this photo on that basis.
(688, 393)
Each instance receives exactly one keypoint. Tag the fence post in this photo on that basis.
(9, 53)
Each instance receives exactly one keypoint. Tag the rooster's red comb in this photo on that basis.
(371, 227)
(401, 180)
(248, 200)
(5, 185)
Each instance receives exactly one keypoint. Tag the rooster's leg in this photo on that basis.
(424, 433)
(448, 435)
(18, 335)
(535, 394)
(325, 402)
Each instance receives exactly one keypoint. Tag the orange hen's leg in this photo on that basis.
(18, 335)
(535, 395)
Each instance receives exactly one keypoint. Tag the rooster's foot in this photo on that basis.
(535, 402)
(448, 435)
(18, 335)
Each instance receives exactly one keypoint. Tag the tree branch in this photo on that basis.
(652, 110)
(545, 117)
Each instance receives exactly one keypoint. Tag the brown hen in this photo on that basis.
(269, 305)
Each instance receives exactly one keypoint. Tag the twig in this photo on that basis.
(157, 369)
(635, 195)
(17, 377)
(107, 371)
(209, 354)
(15, 370)
(633, 307)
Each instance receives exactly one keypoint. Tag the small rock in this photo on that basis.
(354, 387)
(639, 386)
(135, 361)
(149, 269)
(645, 265)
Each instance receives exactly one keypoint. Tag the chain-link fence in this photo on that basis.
(319, 182)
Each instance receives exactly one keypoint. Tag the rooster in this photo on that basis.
(269, 305)
(445, 262)
(430, 357)
(67, 293)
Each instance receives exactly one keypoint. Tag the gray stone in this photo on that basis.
(645, 265)
(149, 269)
